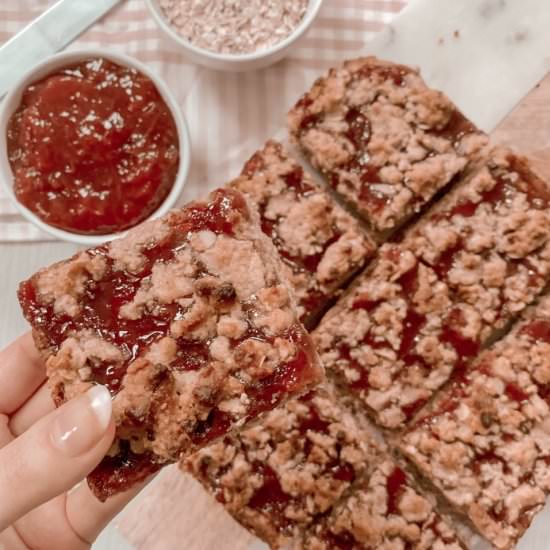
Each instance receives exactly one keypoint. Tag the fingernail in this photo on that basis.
(81, 423)
(100, 401)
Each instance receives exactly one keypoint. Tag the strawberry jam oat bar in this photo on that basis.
(383, 512)
(485, 443)
(321, 246)
(283, 475)
(385, 141)
(187, 322)
(430, 301)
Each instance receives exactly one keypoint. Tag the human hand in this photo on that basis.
(44, 453)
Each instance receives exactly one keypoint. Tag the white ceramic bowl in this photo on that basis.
(236, 62)
(43, 69)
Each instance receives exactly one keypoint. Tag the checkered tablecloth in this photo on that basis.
(229, 115)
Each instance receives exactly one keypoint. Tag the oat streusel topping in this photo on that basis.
(383, 512)
(284, 474)
(485, 443)
(385, 141)
(429, 303)
(186, 320)
(321, 246)
(234, 26)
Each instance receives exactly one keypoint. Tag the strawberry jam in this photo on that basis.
(395, 485)
(538, 330)
(270, 496)
(268, 392)
(93, 148)
(118, 473)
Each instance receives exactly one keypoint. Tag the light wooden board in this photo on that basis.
(527, 128)
(173, 513)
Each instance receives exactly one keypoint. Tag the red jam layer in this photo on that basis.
(270, 497)
(288, 379)
(93, 148)
(395, 485)
(117, 474)
(413, 324)
(341, 541)
(538, 330)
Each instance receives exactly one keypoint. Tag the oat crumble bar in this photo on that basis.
(188, 323)
(283, 475)
(385, 141)
(486, 441)
(321, 246)
(384, 512)
(430, 301)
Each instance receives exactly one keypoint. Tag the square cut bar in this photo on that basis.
(321, 246)
(385, 141)
(485, 442)
(283, 475)
(429, 302)
(188, 323)
(384, 511)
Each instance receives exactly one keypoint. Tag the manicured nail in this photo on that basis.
(82, 422)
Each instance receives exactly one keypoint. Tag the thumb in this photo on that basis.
(55, 454)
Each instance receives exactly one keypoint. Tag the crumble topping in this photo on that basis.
(385, 141)
(485, 443)
(321, 246)
(63, 285)
(188, 323)
(128, 253)
(384, 511)
(83, 351)
(169, 283)
(283, 475)
(430, 301)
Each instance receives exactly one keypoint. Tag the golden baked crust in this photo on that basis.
(485, 443)
(385, 141)
(430, 301)
(321, 245)
(186, 320)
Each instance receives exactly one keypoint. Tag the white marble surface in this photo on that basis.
(485, 54)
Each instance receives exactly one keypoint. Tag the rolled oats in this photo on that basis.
(234, 26)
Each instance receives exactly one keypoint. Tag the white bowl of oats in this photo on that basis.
(235, 35)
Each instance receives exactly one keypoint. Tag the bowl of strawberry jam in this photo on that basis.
(92, 143)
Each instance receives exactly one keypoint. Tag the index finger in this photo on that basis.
(21, 373)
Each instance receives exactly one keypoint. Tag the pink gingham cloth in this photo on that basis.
(229, 115)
